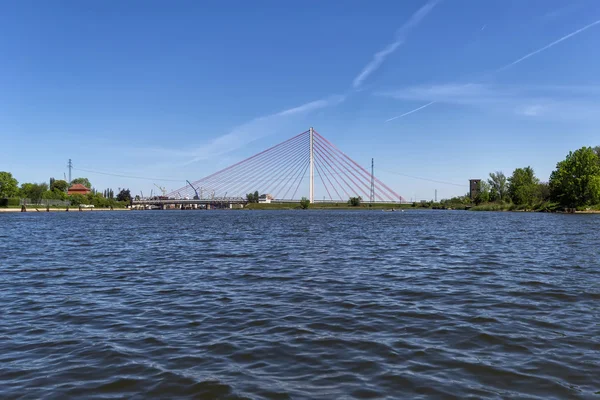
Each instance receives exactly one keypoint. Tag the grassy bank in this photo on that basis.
(39, 207)
(545, 206)
(58, 209)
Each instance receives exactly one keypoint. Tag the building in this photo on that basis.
(78, 188)
(474, 188)
(265, 198)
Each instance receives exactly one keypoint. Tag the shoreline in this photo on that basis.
(71, 209)
(400, 209)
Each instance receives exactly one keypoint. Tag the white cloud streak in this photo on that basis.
(313, 105)
(410, 112)
(512, 64)
(258, 128)
(241, 135)
(533, 101)
(380, 56)
(562, 39)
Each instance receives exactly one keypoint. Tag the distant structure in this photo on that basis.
(78, 188)
(372, 193)
(265, 198)
(474, 188)
(70, 166)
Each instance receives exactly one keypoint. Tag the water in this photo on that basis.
(299, 304)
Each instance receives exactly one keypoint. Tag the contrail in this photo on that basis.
(380, 56)
(525, 57)
(410, 112)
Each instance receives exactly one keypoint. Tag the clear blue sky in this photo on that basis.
(180, 89)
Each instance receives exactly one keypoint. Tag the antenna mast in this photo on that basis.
(372, 199)
(70, 166)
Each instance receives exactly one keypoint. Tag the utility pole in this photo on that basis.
(70, 166)
(372, 199)
(436, 195)
(311, 189)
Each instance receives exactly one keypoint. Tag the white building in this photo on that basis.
(265, 198)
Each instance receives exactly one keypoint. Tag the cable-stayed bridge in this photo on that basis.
(285, 171)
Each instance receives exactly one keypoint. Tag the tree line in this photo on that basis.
(57, 189)
(575, 183)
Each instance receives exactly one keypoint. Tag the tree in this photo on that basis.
(543, 192)
(33, 191)
(124, 195)
(252, 197)
(457, 201)
(576, 180)
(59, 185)
(83, 181)
(483, 193)
(77, 199)
(354, 201)
(54, 195)
(498, 186)
(9, 186)
(522, 186)
(304, 203)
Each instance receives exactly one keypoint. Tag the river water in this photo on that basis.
(299, 304)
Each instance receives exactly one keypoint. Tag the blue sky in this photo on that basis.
(177, 90)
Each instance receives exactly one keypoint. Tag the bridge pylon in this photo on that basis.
(311, 189)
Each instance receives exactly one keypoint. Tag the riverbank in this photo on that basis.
(71, 209)
(539, 207)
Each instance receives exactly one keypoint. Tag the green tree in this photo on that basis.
(483, 193)
(543, 192)
(576, 180)
(522, 186)
(83, 181)
(125, 196)
(355, 201)
(498, 186)
(33, 191)
(78, 199)
(59, 185)
(54, 195)
(9, 186)
(304, 203)
(252, 197)
(457, 201)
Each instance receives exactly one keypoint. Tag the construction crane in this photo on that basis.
(162, 189)
(196, 197)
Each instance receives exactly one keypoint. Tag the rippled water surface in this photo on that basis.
(299, 304)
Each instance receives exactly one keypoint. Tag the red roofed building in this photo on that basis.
(78, 188)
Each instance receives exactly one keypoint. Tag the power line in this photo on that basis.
(423, 179)
(128, 176)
